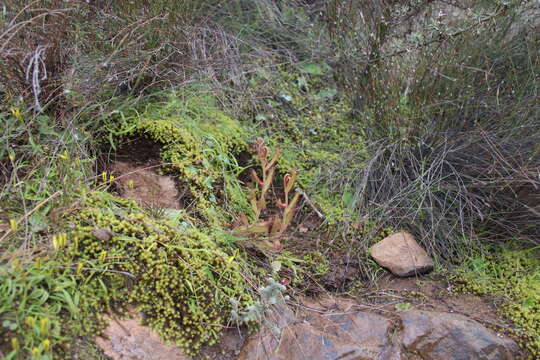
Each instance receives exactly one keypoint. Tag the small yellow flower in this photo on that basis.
(59, 241)
(30, 321)
(15, 264)
(64, 156)
(111, 178)
(62, 240)
(44, 325)
(35, 352)
(13, 225)
(231, 259)
(103, 256)
(16, 112)
(104, 176)
(55, 242)
(15, 343)
(11, 155)
(79, 268)
(46, 344)
(131, 185)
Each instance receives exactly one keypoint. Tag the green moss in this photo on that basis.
(180, 280)
(317, 263)
(514, 274)
(200, 143)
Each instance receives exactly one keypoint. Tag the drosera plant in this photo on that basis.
(300, 110)
(262, 185)
(268, 169)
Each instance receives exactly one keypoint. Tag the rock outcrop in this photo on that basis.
(343, 333)
(446, 336)
(416, 335)
(361, 335)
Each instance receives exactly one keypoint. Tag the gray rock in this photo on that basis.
(445, 336)
(359, 336)
(401, 254)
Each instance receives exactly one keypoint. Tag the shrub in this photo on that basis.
(453, 150)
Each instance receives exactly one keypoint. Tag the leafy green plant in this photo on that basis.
(402, 306)
(37, 300)
(270, 295)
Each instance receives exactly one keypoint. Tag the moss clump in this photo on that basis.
(514, 274)
(201, 144)
(318, 263)
(180, 280)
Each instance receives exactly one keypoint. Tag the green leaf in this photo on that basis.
(312, 69)
(44, 127)
(403, 306)
(257, 229)
(70, 302)
(529, 302)
(9, 325)
(326, 94)
(347, 197)
(38, 222)
(209, 274)
(302, 82)
(286, 97)
(36, 148)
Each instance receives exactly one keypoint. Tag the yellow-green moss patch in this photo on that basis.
(514, 274)
(200, 143)
(179, 279)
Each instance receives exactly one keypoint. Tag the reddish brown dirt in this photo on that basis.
(145, 186)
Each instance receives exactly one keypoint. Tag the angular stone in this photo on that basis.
(446, 336)
(358, 336)
(401, 254)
